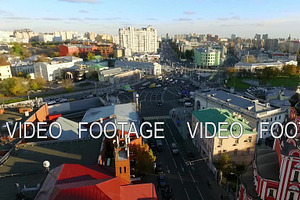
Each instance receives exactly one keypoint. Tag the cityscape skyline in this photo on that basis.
(244, 19)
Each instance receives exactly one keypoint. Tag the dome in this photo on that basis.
(297, 107)
(295, 98)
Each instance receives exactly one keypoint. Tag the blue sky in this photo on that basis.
(244, 18)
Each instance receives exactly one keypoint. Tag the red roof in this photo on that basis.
(78, 182)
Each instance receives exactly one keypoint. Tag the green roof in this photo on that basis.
(98, 66)
(216, 116)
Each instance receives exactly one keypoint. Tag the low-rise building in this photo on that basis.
(253, 110)
(51, 71)
(146, 68)
(251, 67)
(5, 72)
(68, 50)
(240, 149)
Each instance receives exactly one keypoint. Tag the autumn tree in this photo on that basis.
(231, 71)
(38, 83)
(3, 61)
(225, 163)
(90, 56)
(290, 70)
(14, 86)
(43, 58)
(68, 84)
(142, 157)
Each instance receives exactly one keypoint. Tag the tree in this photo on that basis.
(3, 61)
(43, 58)
(290, 70)
(38, 83)
(225, 163)
(90, 56)
(231, 71)
(143, 157)
(68, 84)
(14, 86)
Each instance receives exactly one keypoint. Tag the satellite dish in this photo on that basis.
(46, 164)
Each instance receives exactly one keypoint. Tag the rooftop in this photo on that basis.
(216, 116)
(267, 164)
(120, 63)
(26, 163)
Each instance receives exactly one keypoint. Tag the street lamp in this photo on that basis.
(237, 183)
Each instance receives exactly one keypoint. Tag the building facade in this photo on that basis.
(254, 111)
(142, 40)
(207, 57)
(5, 72)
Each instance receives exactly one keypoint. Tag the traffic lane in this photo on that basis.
(198, 172)
(187, 179)
(173, 178)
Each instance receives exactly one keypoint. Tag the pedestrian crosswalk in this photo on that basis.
(157, 117)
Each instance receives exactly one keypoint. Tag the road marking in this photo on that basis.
(168, 170)
(199, 193)
(193, 168)
(192, 176)
(157, 117)
(174, 162)
(180, 177)
(187, 194)
(182, 167)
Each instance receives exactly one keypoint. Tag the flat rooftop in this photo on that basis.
(25, 166)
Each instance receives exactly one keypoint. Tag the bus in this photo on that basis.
(153, 85)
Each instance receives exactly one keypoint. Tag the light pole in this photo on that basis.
(237, 183)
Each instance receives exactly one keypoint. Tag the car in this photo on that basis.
(89, 96)
(162, 181)
(174, 149)
(121, 92)
(158, 85)
(159, 103)
(72, 99)
(141, 88)
(158, 168)
(159, 145)
(51, 102)
(188, 104)
(165, 88)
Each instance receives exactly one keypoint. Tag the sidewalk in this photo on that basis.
(180, 116)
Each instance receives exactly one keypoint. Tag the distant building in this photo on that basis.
(252, 110)
(142, 40)
(251, 67)
(51, 71)
(5, 72)
(68, 50)
(106, 49)
(45, 37)
(146, 68)
(241, 150)
(118, 52)
(207, 57)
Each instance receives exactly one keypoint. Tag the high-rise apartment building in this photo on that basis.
(142, 40)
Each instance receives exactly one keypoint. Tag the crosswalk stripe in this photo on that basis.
(157, 117)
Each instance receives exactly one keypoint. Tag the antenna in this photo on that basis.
(46, 164)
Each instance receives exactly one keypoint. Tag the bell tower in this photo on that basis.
(122, 162)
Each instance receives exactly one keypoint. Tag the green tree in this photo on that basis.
(225, 163)
(38, 83)
(143, 157)
(14, 86)
(68, 84)
(90, 56)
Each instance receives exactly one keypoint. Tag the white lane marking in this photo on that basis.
(192, 176)
(199, 193)
(174, 162)
(168, 170)
(182, 167)
(187, 194)
(180, 177)
(193, 168)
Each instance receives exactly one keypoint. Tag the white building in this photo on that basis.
(5, 72)
(146, 68)
(253, 66)
(7, 37)
(51, 71)
(253, 111)
(45, 37)
(142, 40)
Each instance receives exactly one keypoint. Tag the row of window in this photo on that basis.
(235, 152)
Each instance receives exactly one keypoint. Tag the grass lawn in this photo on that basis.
(238, 83)
(284, 81)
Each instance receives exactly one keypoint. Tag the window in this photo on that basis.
(271, 192)
(250, 139)
(248, 150)
(279, 117)
(219, 152)
(296, 176)
(235, 152)
(236, 141)
(124, 169)
(292, 195)
(220, 142)
(224, 151)
(120, 170)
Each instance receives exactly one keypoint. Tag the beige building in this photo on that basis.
(5, 72)
(211, 146)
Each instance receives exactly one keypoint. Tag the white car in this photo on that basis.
(174, 149)
(165, 88)
(158, 85)
(63, 100)
(188, 104)
(51, 102)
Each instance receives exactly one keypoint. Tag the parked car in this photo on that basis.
(158, 168)
(174, 149)
(162, 181)
(188, 104)
(159, 103)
